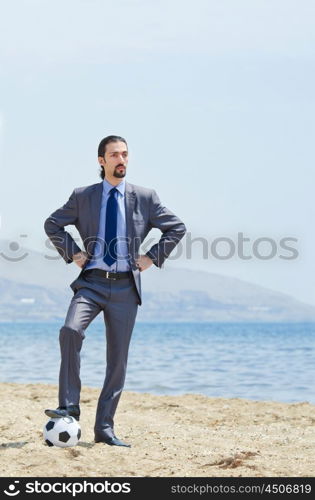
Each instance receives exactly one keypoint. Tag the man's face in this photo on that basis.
(115, 160)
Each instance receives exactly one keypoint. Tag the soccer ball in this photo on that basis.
(62, 432)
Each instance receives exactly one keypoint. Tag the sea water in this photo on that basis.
(259, 361)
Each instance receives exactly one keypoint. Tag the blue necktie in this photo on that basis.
(110, 254)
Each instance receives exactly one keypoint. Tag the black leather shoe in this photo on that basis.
(64, 411)
(113, 441)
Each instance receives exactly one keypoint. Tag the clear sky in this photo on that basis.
(215, 99)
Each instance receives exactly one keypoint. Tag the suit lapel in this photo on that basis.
(130, 199)
(95, 207)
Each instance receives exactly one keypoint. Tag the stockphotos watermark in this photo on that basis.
(221, 248)
(73, 488)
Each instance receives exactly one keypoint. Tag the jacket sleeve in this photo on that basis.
(54, 228)
(172, 227)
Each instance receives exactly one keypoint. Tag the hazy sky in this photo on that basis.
(215, 98)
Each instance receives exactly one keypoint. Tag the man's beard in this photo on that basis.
(119, 174)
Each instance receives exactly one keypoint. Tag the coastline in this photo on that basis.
(189, 435)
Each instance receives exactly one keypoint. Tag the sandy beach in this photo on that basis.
(189, 435)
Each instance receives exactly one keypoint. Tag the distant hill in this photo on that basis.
(37, 289)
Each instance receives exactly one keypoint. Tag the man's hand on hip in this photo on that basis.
(143, 262)
(80, 258)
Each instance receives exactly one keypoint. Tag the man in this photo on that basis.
(113, 217)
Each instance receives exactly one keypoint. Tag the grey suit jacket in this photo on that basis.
(144, 211)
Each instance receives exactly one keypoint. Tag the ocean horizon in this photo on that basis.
(258, 361)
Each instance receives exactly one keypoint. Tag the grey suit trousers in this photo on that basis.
(118, 300)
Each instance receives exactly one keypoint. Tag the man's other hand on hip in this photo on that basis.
(143, 262)
(80, 258)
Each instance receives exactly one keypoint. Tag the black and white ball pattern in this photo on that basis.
(63, 432)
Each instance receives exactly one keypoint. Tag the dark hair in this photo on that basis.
(102, 148)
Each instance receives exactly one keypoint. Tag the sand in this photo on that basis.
(172, 436)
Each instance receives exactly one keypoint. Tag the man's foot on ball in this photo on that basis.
(64, 411)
